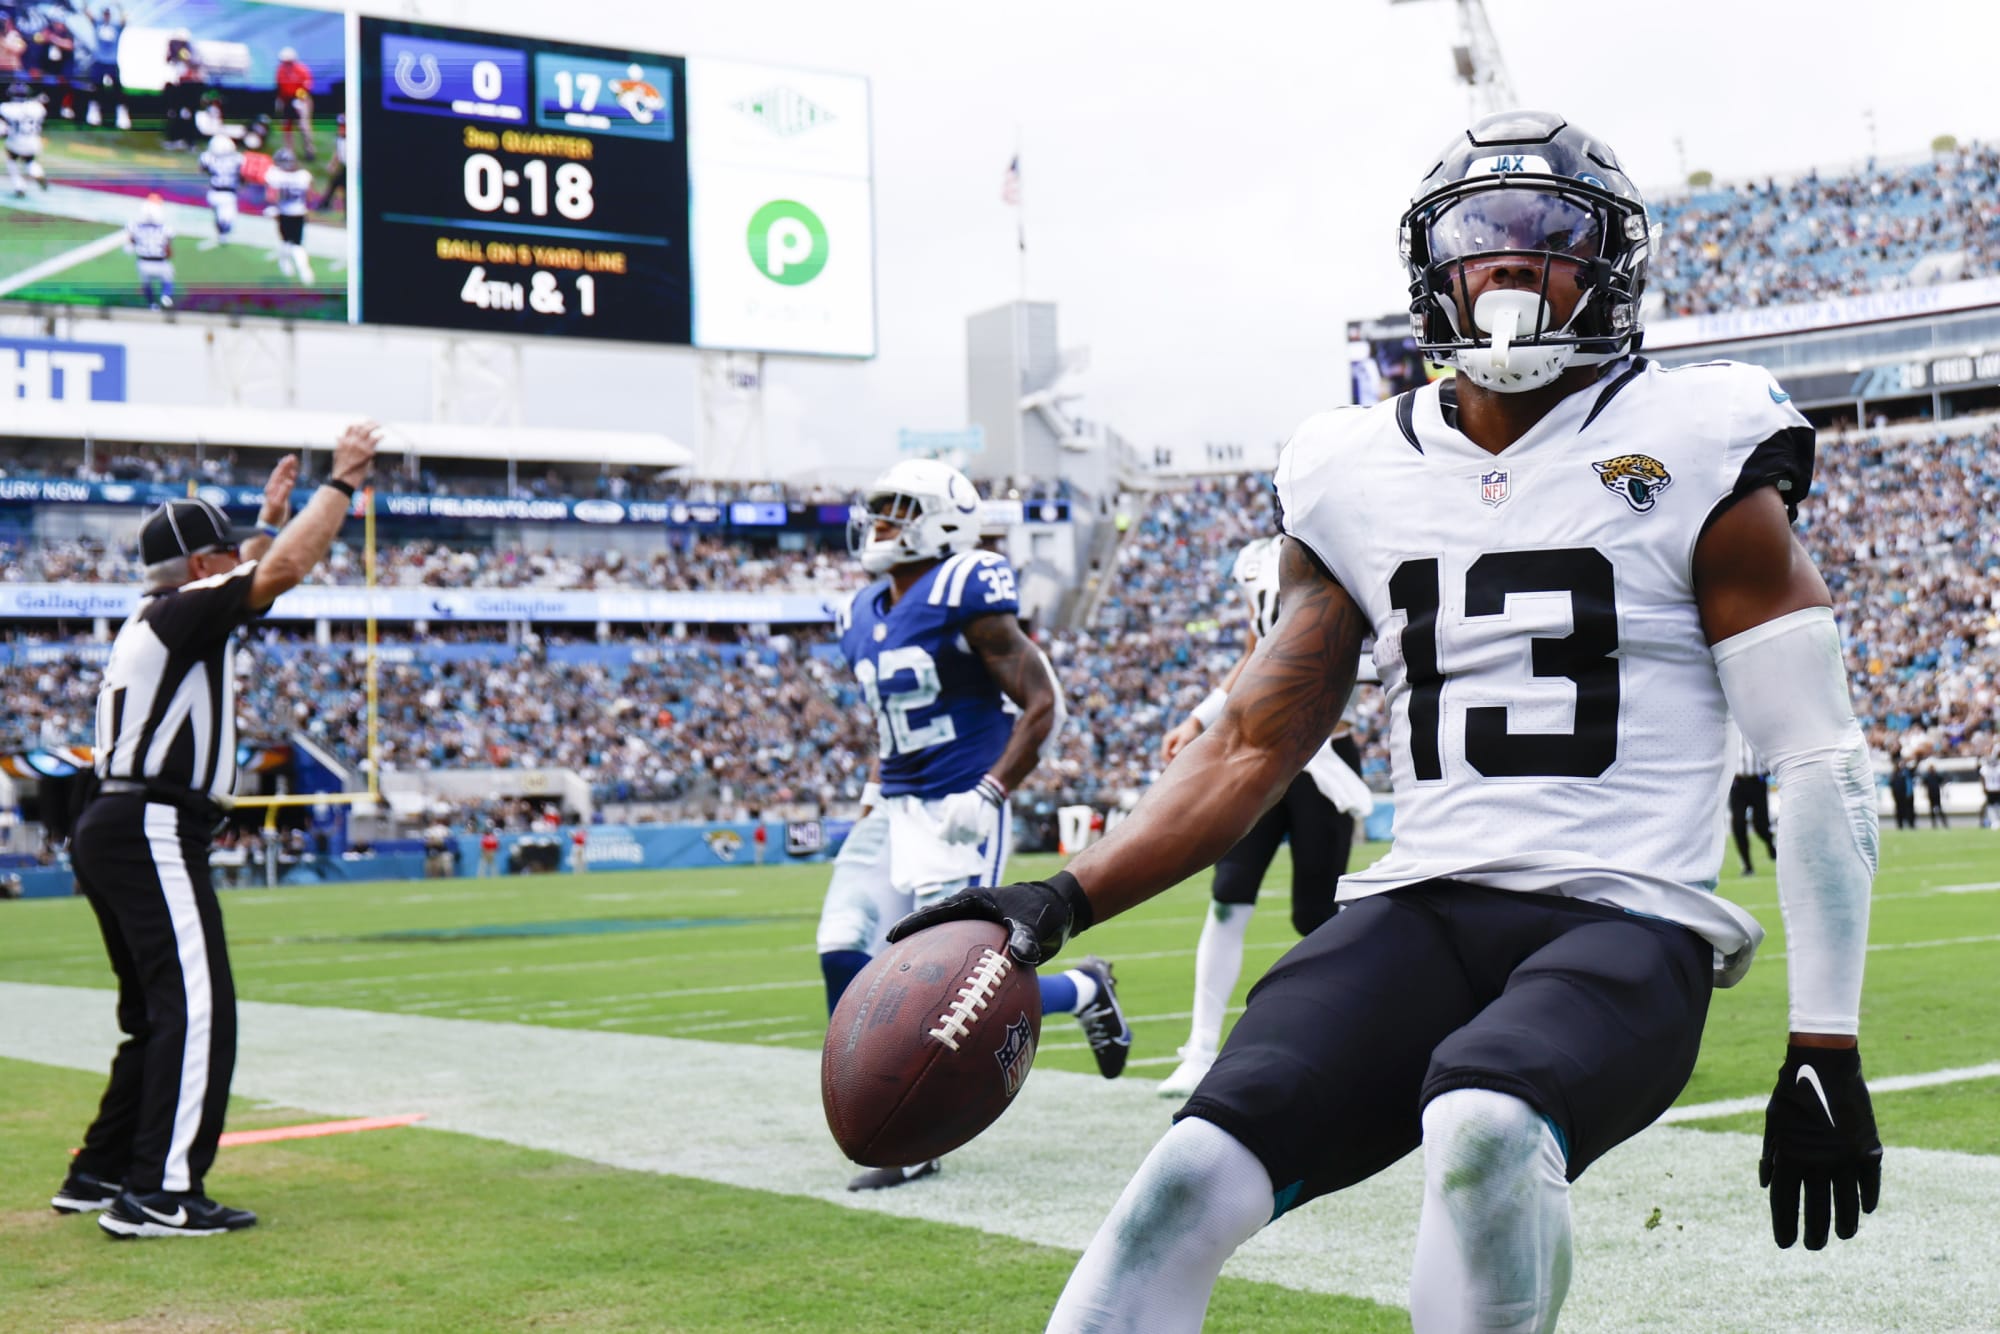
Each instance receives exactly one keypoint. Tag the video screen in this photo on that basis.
(1384, 360)
(176, 155)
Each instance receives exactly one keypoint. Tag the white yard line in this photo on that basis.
(1946, 943)
(1708, 1111)
(750, 1117)
(68, 259)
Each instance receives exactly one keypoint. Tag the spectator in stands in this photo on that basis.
(489, 852)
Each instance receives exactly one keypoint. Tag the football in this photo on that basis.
(929, 1045)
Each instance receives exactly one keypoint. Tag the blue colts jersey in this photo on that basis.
(941, 719)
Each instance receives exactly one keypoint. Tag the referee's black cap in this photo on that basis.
(184, 528)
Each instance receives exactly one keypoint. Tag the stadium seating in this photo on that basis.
(708, 728)
(1727, 247)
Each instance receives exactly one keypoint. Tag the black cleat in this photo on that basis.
(1103, 1021)
(171, 1214)
(83, 1193)
(883, 1178)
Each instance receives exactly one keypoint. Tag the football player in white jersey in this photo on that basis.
(224, 164)
(1316, 816)
(964, 704)
(288, 186)
(22, 115)
(149, 239)
(1577, 565)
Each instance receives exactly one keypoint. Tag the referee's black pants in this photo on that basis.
(144, 867)
(1750, 808)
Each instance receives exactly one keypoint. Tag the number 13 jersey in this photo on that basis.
(1556, 723)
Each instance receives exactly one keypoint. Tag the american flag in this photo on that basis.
(1010, 184)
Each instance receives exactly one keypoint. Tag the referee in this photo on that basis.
(166, 763)
(1750, 803)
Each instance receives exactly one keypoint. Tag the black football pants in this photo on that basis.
(144, 867)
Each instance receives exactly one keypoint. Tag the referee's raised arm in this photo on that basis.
(303, 543)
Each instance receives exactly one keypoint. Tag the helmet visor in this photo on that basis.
(1515, 221)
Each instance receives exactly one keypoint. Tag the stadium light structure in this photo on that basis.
(1476, 58)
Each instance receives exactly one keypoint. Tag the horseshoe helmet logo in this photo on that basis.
(418, 76)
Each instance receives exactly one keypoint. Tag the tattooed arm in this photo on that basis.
(1281, 709)
(1022, 673)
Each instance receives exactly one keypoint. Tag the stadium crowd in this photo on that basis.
(1728, 247)
(708, 564)
(710, 729)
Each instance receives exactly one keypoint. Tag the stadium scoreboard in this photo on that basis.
(515, 186)
(486, 182)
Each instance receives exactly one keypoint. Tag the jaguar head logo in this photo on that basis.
(1639, 478)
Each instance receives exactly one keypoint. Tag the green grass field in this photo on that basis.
(421, 1229)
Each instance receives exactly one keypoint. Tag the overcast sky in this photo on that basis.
(1212, 188)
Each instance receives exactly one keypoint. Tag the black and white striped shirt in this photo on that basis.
(166, 711)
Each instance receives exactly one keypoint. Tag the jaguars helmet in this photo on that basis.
(932, 508)
(1526, 183)
(19, 92)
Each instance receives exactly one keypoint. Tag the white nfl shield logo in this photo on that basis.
(1493, 487)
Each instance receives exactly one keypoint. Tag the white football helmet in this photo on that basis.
(932, 507)
(222, 144)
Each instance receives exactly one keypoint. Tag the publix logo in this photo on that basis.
(787, 242)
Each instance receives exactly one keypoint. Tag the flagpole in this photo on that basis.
(1021, 213)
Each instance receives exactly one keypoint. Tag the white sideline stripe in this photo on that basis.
(1705, 1111)
(1977, 887)
(68, 259)
(1914, 944)
(749, 1116)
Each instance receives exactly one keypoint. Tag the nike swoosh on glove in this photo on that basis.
(1819, 1138)
(967, 817)
(1040, 915)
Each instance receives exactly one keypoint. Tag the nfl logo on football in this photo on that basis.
(1016, 1055)
(1493, 487)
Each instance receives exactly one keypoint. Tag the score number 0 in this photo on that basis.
(486, 186)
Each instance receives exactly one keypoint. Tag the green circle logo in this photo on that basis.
(787, 242)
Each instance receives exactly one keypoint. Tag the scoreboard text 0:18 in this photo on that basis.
(521, 186)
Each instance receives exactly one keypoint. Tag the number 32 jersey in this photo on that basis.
(1556, 721)
(941, 719)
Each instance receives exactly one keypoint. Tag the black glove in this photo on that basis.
(1819, 1133)
(1040, 915)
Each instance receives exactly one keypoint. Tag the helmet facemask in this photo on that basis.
(902, 513)
(1569, 229)
(929, 509)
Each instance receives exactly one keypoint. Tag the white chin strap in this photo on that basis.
(1504, 315)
